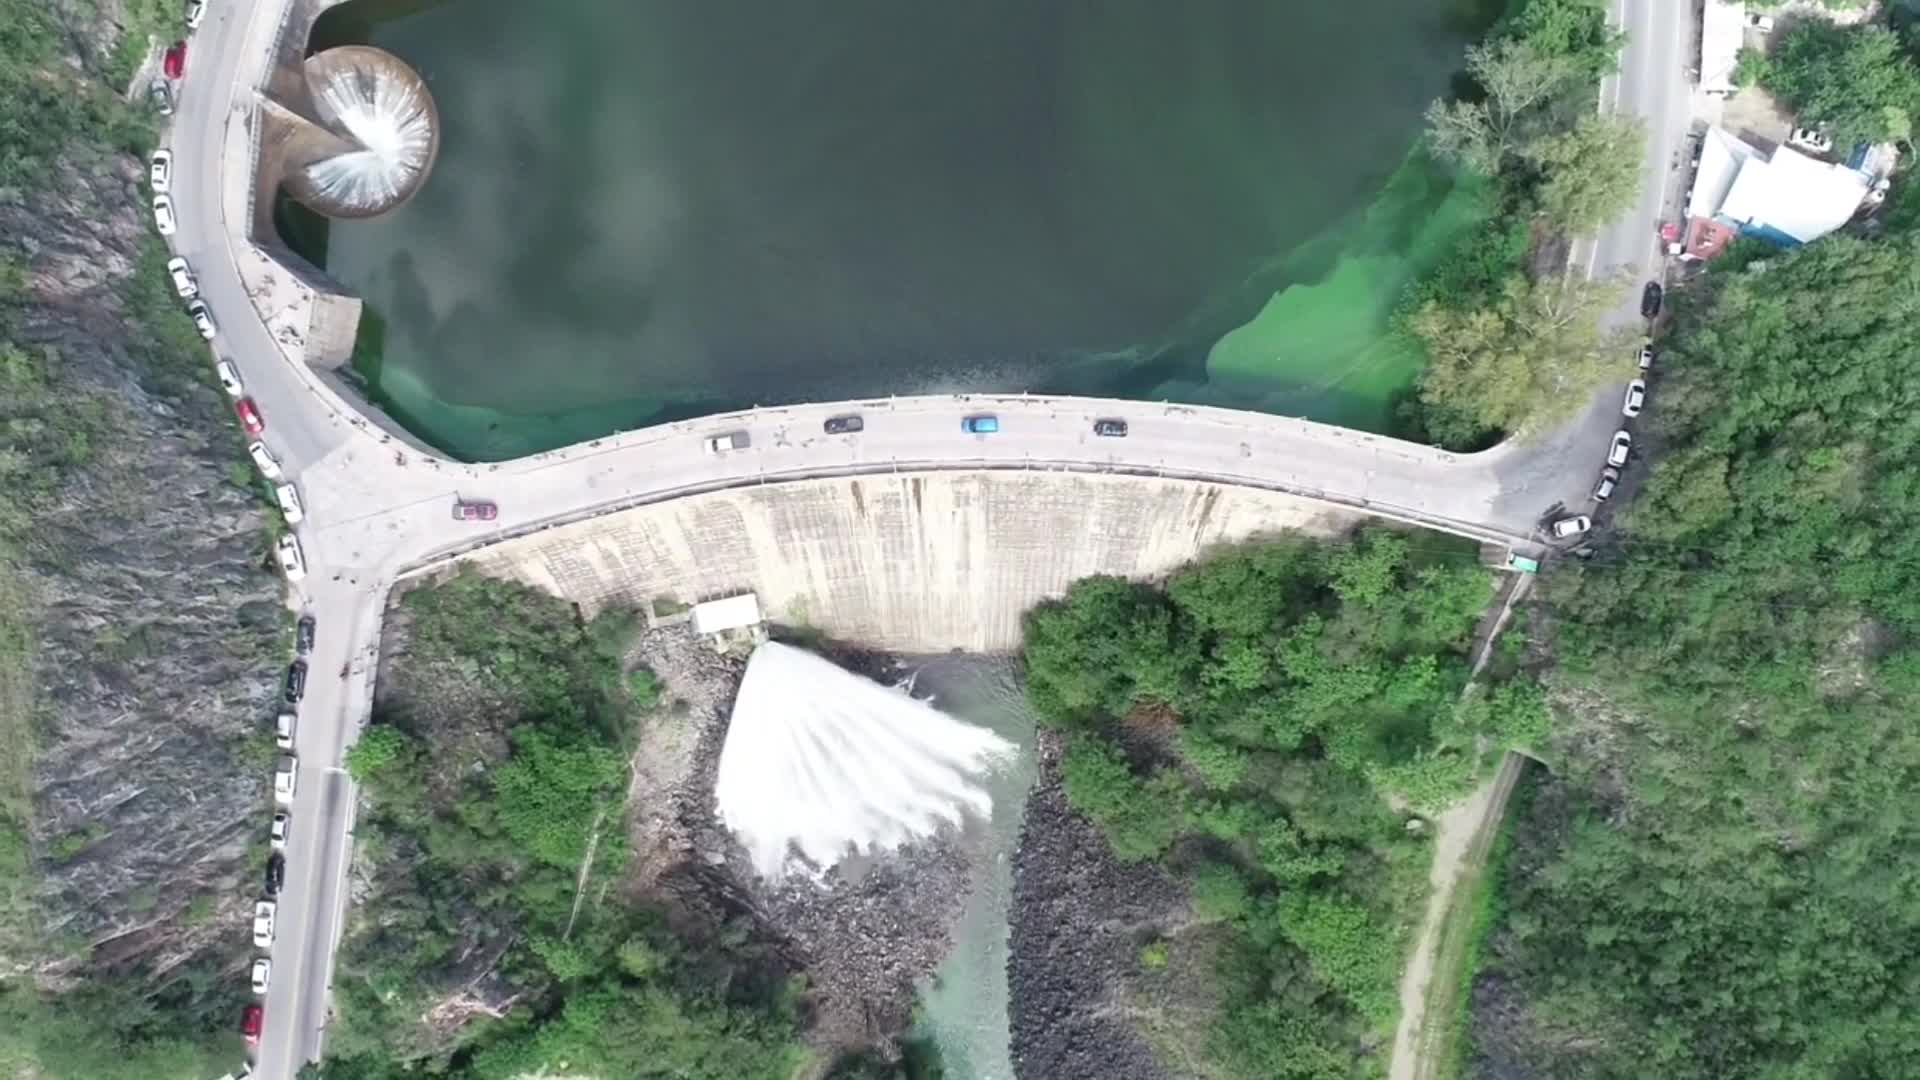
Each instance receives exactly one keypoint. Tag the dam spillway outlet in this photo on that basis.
(822, 763)
(387, 126)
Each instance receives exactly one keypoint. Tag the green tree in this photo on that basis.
(1518, 81)
(1591, 173)
(1531, 359)
(1855, 82)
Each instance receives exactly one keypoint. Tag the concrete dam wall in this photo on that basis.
(914, 562)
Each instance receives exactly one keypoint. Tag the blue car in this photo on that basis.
(980, 425)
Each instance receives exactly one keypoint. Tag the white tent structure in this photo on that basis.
(1788, 198)
(1723, 27)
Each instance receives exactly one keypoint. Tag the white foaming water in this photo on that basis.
(823, 762)
(392, 121)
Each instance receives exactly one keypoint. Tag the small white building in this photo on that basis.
(1723, 28)
(1787, 197)
(731, 613)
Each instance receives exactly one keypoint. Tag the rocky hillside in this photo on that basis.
(140, 630)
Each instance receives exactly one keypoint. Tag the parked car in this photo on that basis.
(845, 425)
(303, 635)
(1760, 22)
(283, 730)
(262, 973)
(249, 415)
(174, 61)
(263, 459)
(245, 1073)
(732, 440)
(160, 98)
(196, 11)
(1609, 479)
(1646, 357)
(263, 924)
(1113, 429)
(163, 220)
(184, 284)
(202, 317)
(160, 172)
(288, 497)
(1650, 300)
(250, 1023)
(285, 780)
(980, 425)
(1816, 141)
(296, 683)
(293, 562)
(229, 377)
(1571, 526)
(276, 873)
(1635, 400)
(479, 510)
(1617, 453)
(277, 832)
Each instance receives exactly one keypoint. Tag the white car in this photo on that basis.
(202, 318)
(277, 832)
(184, 282)
(1762, 23)
(263, 924)
(262, 971)
(732, 440)
(1609, 479)
(163, 215)
(290, 507)
(1646, 357)
(1571, 526)
(1813, 140)
(283, 731)
(1636, 398)
(229, 377)
(1617, 453)
(196, 11)
(264, 460)
(285, 779)
(292, 562)
(160, 172)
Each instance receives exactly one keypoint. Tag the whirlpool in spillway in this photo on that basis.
(382, 133)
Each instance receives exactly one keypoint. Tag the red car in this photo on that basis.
(250, 1020)
(174, 63)
(474, 511)
(249, 416)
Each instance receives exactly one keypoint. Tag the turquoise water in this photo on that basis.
(651, 208)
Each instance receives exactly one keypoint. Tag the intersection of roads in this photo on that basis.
(377, 508)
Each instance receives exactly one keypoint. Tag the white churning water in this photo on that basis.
(821, 760)
(392, 120)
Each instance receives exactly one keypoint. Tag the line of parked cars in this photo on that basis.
(978, 424)
(1620, 448)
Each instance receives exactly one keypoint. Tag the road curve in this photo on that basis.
(377, 509)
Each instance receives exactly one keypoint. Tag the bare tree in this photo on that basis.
(1519, 81)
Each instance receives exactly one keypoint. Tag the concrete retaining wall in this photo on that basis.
(910, 562)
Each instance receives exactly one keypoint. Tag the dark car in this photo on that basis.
(303, 635)
(1650, 300)
(474, 511)
(276, 873)
(845, 425)
(296, 681)
(1113, 429)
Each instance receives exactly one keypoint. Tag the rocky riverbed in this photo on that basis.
(1080, 919)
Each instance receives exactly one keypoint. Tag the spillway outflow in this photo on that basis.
(822, 761)
(381, 109)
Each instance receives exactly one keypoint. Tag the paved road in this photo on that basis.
(375, 511)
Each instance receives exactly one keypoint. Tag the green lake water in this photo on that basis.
(647, 209)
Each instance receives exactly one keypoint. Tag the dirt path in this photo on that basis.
(1463, 835)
